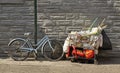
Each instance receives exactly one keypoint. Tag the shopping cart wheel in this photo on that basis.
(96, 62)
(73, 60)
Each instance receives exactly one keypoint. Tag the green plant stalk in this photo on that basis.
(90, 28)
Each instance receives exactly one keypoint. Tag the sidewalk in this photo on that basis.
(7, 65)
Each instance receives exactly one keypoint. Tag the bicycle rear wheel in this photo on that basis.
(16, 52)
(53, 51)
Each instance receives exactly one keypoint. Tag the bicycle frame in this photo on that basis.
(41, 43)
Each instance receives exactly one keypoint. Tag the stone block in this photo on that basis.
(58, 17)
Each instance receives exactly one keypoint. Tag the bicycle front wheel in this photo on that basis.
(16, 52)
(53, 51)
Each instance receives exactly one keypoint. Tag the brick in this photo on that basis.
(60, 28)
(117, 24)
(29, 3)
(52, 34)
(117, 4)
(17, 29)
(56, 3)
(43, 4)
(108, 30)
(26, 17)
(115, 43)
(82, 17)
(24, 9)
(57, 16)
(50, 10)
(78, 22)
(114, 17)
(8, 9)
(109, 22)
(4, 36)
(7, 22)
(115, 29)
(4, 29)
(117, 9)
(70, 1)
(42, 1)
(99, 4)
(3, 42)
(69, 4)
(4, 16)
(43, 16)
(72, 28)
(87, 23)
(48, 23)
(72, 16)
(11, 1)
(113, 36)
(64, 22)
(52, 1)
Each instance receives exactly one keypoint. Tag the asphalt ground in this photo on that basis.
(107, 65)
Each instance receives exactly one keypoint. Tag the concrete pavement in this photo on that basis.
(7, 65)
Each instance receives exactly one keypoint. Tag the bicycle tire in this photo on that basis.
(15, 52)
(53, 55)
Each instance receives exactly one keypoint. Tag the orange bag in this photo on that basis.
(89, 53)
(78, 53)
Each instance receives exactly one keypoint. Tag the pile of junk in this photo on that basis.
(85, 44)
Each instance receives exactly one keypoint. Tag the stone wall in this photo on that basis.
(57, 18)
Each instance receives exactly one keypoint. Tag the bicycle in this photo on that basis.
(20, 48)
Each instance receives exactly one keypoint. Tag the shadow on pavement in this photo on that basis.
(109, 60)
(101, 61)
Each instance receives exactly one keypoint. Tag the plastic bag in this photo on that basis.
(106, 42)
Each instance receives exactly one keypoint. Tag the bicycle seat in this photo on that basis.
(27, 34)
